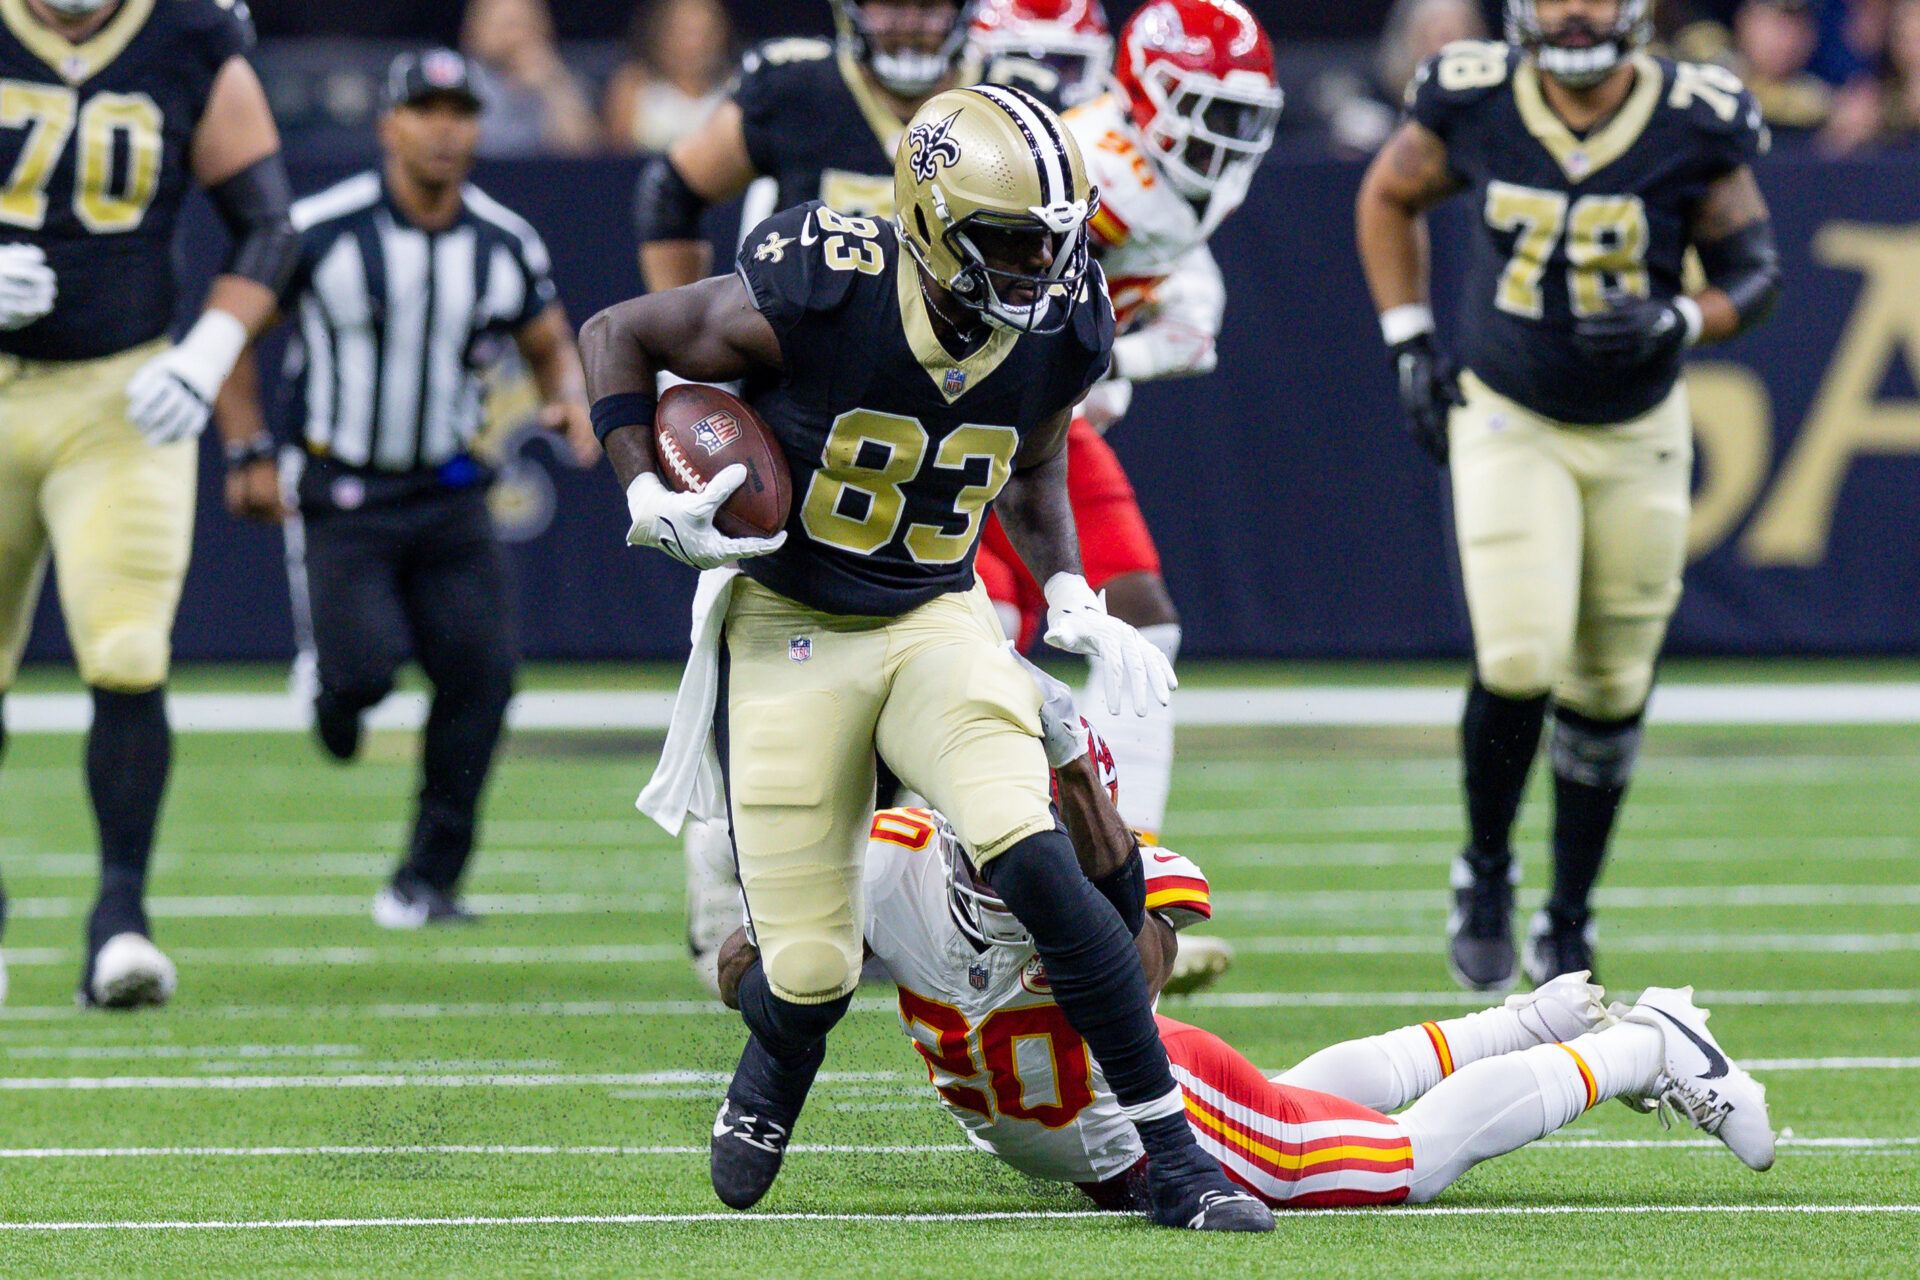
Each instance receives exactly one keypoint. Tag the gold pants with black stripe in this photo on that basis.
(1572, 544)
(810, 698)
(76, 478)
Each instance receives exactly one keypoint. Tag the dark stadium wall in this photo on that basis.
(1327, 534)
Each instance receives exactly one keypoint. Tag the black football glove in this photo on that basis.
(1429, 391)
(1632, 333)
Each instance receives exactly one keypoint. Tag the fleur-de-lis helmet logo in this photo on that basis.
(931, 149)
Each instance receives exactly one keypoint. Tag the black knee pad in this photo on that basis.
(1595, 753)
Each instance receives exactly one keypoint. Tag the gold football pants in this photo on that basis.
(810, 698)
(1572, 543)
(116, 511)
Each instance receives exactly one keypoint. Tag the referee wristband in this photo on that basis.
(245, 453)
(626, 409)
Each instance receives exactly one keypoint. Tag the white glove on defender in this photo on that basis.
(171, 397)
(1063, 730)
(27, 285)
(681, 524)
(1078, 622)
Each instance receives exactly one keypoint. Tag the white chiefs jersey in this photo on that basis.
(1168, 295)
(1000, 1053)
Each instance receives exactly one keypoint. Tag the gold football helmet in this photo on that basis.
(992, 169)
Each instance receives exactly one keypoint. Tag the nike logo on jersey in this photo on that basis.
(808, 236)
(1717, 1063)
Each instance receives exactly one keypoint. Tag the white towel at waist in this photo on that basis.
(688, 775)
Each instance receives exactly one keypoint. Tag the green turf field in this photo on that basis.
(557, 1062)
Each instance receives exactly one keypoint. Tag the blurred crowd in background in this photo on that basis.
(601, 76)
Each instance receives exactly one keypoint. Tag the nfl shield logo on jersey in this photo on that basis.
(800, 648)
(715, 432)
(977, 976)
(956, 382)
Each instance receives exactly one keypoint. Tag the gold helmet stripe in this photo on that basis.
(1052, 162)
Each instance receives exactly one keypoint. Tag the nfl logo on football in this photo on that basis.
(715, 432)
(800, 648)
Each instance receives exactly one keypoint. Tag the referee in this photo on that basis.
(410, 285)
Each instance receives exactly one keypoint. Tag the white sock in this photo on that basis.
(1501, 1104)
(1142, 745)
(1386, 1072)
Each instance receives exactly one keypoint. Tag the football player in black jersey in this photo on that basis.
(821, 118)
(915, 374)
(110, 110)
(1595, 168)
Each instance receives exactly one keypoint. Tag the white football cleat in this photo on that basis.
(1200, 962)
(1701, 1082)
(129, 972)
(1563, 1009)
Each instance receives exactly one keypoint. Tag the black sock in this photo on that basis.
(129, 751)
(1094, 971)
(787, 1045)
(1499, 736)
(1592, 764)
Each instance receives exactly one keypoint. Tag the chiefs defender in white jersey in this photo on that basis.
(1003, 1061)
(1172, 142)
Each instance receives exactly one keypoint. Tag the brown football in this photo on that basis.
(700, 431)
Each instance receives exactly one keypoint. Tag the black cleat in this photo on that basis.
(1557, 943)
(1195, 1194)
(1480, 930)
(337, 727)
(745, 1156)
(411, 903)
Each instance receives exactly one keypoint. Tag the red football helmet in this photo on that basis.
(1057, 49)
(1199, 80)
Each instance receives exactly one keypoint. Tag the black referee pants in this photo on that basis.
(424, 576)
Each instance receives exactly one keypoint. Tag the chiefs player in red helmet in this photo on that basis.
(1172, 144)
(1058, 50)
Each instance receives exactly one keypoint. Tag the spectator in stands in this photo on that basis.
(534, 106)
(1361, 113)
(675, 74)
(1885, 110)
(1773, 46)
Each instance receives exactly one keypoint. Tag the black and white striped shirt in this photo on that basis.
(397, 325)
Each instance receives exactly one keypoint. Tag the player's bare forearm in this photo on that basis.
(548, 348)
(237, 412)
(1101, 839)
(670, 264)
(707, 332)
(248, 301)
(1034, 508)
(1732, 231)
(1157, 945)
(1407, 178)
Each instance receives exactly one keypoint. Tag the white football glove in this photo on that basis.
(27, 285)
(1078, 622)
(171, 397)
(1063, 730)
(681, 524)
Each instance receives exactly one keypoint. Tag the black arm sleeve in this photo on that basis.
(256, 205)
(1746, 267)
(1126, 889)
(665, 207)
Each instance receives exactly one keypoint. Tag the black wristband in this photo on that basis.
(245, 453)
(624, 409)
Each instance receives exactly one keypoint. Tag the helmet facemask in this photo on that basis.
(980, 286)
(1063, 71)
(1209, 134)
(975, 905)
(77, 8)
(1580, 66)
(907, 72)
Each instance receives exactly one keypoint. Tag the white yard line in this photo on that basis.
(673, 1084)
(220, 906)
(837, 1149)
(1677, 943)
(304, 957)
(912, 1219)
(1331, 705)
(1420, 999)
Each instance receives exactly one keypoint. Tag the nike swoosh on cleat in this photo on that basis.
(1716, 1060)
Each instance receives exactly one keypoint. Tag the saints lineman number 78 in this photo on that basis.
(1606, 240)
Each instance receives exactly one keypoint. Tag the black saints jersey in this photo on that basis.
(94, 142)
(1567, 223)
(814, 124)
(896, 447)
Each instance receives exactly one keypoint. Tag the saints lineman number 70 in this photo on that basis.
(49, 113)
(1606, 240)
